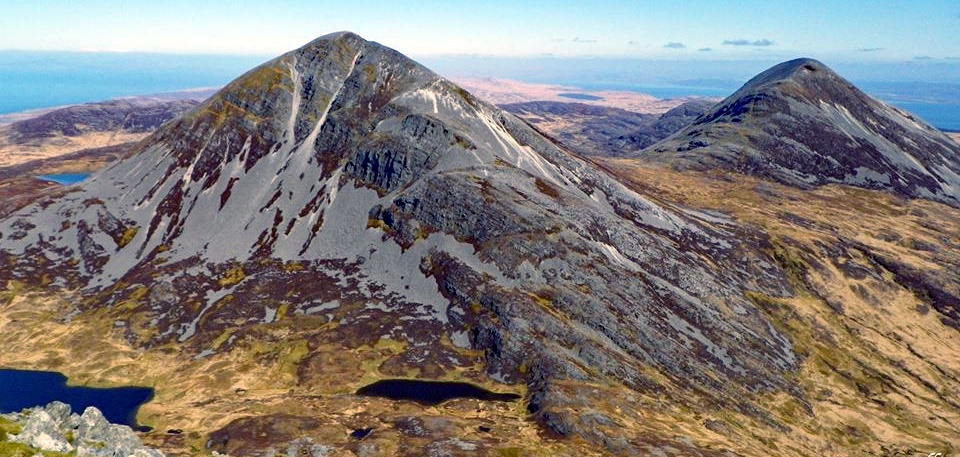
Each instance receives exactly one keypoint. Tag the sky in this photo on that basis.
(68, 51)
(850, 31)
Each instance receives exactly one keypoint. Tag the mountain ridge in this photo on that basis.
(306, 190)
(592, 130)
(800, 123)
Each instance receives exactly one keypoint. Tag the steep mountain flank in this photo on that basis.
(342, 196)
(874, 316)
(802, 124)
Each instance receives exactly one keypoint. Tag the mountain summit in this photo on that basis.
(802, 124)
(345, 197)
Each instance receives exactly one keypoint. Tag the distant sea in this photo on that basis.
(32, 80)
(943, 116)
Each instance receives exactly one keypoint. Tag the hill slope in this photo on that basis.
(86, 126)
(604, 131)
(802, 124)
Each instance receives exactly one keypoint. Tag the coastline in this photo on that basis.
(193, 93)
(10, 118)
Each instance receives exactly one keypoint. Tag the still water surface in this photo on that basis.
(21, 389)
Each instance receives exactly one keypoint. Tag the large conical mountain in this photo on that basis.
(343, 183)
(802, 124)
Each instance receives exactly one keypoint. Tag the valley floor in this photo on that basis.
(258, 393)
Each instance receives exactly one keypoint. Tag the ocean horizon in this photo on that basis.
(38, 80)
(43, 80)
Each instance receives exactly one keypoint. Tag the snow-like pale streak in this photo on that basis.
(312, 137)
(294, 103)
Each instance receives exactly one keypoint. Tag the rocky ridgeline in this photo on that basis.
(56, 429)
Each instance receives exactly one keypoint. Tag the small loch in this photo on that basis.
(21, 389)
(579, 96)
(65, 179)
(431, 392)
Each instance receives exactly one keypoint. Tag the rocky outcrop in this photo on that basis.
(801, 124)
(55, 428)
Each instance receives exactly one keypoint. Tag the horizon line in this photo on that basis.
(926, 60)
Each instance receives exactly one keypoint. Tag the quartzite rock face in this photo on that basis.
(345, 181)
(54, 428)
(802, 124)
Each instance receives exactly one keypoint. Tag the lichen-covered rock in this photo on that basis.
(41, 431)
(55, 428)
(96, 437)
(62, 415)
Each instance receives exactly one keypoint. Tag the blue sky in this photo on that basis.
(855, 31)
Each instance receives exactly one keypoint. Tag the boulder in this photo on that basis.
(41, 431)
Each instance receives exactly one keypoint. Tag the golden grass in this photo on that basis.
(877, 372)
(13, 153)
(255, 375)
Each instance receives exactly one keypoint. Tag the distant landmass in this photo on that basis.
(48, 133)
(605, 131)
(503, 91)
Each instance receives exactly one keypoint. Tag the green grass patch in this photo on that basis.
(11, 449)
(7, 428)
(793, 265)
(232, 276)
(127, 236)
